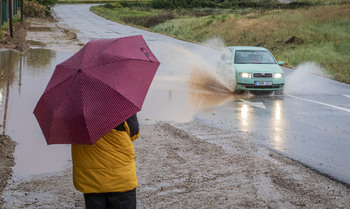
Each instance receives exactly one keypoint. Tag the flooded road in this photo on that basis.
(172, 97)
(309, 123)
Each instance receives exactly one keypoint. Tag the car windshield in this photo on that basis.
(254, 57)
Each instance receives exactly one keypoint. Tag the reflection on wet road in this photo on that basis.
(278, 126)
(23, 79)
(178, 100)
(311, 133)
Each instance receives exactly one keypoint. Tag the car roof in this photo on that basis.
(246, 48)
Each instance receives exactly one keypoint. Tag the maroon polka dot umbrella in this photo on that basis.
(95, 90)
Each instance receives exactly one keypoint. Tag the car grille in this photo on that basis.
(262, 75)
(252, 86)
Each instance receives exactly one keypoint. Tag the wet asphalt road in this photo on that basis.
(309, 123)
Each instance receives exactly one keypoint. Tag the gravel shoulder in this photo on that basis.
(195, 166)
(188, 165)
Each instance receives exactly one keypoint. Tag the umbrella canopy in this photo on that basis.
(95, 90)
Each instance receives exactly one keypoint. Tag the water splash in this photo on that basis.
(307, 79)
(207, 78)
(203, 72)
(198, 67)
(215, 43)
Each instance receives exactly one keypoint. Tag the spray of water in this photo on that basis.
(203, 72)
(306, 79)
(215, 43)
(174, 59)
(205, 77)
(197, 66)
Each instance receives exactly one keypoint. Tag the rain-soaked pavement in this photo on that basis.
(309, 123)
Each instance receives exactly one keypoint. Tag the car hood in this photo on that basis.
(252, 68)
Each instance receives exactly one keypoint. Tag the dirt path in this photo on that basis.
(7, 147)
(18, 41)
(40, 32)
(48, 35)
(188, 166)
(195, 166)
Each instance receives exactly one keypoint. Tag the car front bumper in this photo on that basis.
(249, 84)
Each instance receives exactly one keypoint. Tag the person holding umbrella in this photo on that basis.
(106, 171)
(91, 102)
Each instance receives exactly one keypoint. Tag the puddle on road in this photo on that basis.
(22, 81)
(179, 100)
(23, 78)
(185, 83)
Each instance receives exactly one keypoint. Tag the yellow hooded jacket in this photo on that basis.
(106, 166)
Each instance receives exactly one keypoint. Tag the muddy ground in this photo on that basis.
(7, 147)
(18, 41)
(187, 165)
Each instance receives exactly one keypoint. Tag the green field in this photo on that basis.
(319, 34)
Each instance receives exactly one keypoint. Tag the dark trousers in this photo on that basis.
(112, 200)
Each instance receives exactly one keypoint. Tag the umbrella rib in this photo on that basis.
(48, 90)
(107, 86)
(61, 101)
(68, 63)
(82, 104)
(110, 45)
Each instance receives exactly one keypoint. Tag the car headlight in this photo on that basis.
(245, 75)
(278, 75)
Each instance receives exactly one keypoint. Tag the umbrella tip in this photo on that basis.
(147, 55)
(79, 71)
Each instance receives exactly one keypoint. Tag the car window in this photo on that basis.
(253, 57)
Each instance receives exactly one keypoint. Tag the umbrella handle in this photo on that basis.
(147, 55)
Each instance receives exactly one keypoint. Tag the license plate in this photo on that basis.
(263, 83)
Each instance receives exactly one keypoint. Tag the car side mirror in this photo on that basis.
(280, 63)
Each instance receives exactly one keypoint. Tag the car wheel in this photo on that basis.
(236, 91)
(239, 91)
